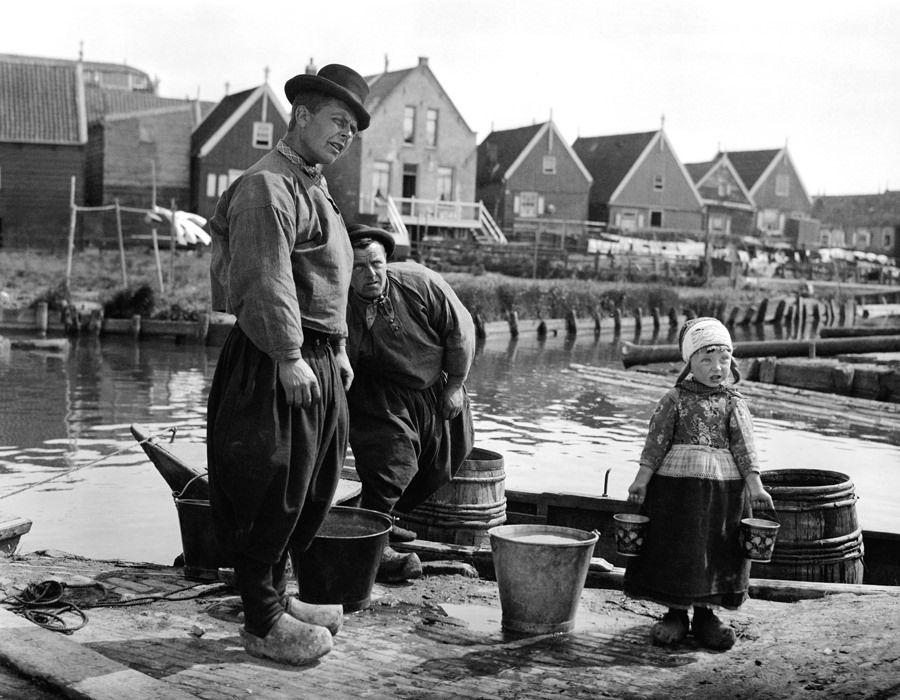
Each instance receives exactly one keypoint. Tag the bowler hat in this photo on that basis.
(357, 231)
(337, 81)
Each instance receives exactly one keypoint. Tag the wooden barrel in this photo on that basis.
(462, 511)
(820, 538)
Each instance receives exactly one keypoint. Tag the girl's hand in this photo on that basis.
(759, 497)
(637, 492)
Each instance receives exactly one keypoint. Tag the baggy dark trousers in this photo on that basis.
(404, 451)
(273, 468)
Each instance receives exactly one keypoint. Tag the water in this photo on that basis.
(68, 417)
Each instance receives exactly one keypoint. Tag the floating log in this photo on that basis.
(858, 331)
(633, 354)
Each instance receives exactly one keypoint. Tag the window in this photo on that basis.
(262, 134)
(782, 185)
(628, 222)
(657, 182)
(223, 184)
(887, 239)
(431, 127)
(717, 224)
(656, 219)
(528, 205)
(211, 190)
(409, 124)
(146, 134)
(549, 165)
(445, 184)
(724, 189)
(381, 179)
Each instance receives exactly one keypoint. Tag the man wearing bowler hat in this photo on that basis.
(411, 343)
(277, 415)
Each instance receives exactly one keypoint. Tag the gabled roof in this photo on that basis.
(41, 103)
(502, 152)
(610, 159)
(700, 171)
(751, 165)
(106, 101)
(384, 84)
(858, 209)
(500, 149)
(228, 113)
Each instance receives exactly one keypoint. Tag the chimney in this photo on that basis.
(423, 61)
(311, 68)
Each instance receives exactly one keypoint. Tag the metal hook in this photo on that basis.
(606, 484)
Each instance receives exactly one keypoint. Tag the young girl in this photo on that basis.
(698, 477)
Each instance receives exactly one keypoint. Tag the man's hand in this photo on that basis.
(343, 363)
(299, 383)
(452, 400)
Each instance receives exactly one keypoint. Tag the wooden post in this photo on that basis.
(596, 316)
(571, 325)
(73, 218)
(638, 317)
(673, 317)
(136, 326)
(203, 326)
(732, 317)
(617, 320)
(41, 318)
(542, 329)
(173, 238)
(121, 244)
(513, 320)
(779, 312)
(761, 314)
(748, 316)
(479, 326)
(654, 312)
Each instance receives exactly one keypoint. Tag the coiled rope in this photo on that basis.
(43, 604)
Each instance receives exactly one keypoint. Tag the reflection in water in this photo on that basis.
(69, 417)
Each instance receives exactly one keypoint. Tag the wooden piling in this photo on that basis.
(732, 317)
(513, 321)
(596, 316)
(617, 320)
(638, 316)
(571, 325)
(761, 314)
(40, 318)
(480, 333)
(779, 312)
(654, 313)
(673, 317)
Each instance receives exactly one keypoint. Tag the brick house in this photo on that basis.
(640, 185)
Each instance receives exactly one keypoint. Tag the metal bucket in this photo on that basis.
(203, 555)
(541, 570)
(341, 563)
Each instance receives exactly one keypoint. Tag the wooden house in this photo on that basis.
(99, 125)
(529, 174)
(43, 133)
(640, 185)
(775, 186)
(727, 205)
(413, 169)
(869, 223)
(239, 131)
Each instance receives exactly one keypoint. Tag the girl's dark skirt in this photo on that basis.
(692, 553)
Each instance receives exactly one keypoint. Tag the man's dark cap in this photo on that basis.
(337, 81)
(358, 231)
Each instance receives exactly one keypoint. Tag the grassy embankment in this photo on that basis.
(28, 277)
